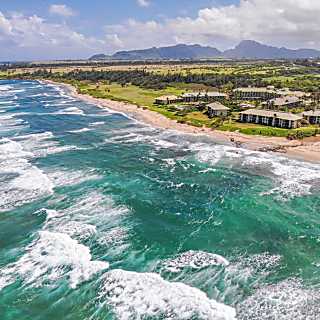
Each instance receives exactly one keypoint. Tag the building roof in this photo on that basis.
(204, 94)
(282, 101)
(272, 114)
(216, 94)
(217, 106)
(312, 113)
(288, 92)
(168, 97)
(255, 89)
(246, 105)
(191, 94)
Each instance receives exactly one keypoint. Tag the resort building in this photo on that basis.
(287, 92)
(217, 109)
(271, 118)
(251, 93)
(245, 106)
(165, 100)
(313, 116)
(190, 97)
(286, 102)
(203, 96)
(215, 96)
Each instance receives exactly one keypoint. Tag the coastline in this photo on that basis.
(307, 149)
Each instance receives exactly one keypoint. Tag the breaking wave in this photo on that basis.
(146, 295)
(50, 258)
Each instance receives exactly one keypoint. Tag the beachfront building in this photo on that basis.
(190, 96)
(215, 96)
(250, 93)
(271, 118)
(287, 92)
(203, 96)
(165, 100)
(245, 106)
(285, 102)
(217, 109)
(313, 116)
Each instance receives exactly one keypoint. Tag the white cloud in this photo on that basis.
(291, 23)
(32, 37)
(143, 3)
(61, 10)
(294, 23)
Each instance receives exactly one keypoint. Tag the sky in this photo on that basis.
(72, 29)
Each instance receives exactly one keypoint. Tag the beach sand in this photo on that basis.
(307, 149)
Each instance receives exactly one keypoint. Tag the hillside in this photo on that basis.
(246, 49)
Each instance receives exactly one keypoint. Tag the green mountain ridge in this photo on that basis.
(247, 49)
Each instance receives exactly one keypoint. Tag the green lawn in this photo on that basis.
(129, 93)
(253, 129)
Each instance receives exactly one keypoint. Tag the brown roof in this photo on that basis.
(272, 114)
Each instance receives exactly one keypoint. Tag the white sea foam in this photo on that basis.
(91, 213)
(144, 135)
(97, 209)
(10, 123)
(4, 87)
(286, 300)
(24, 182)
(95, 124)
(76, 229)
(80, 130)
(53, 256)
(9, 102)
(43, 144)
(292, 178)
(115, 236)
(71, 177)
(71, 111)
(256, 266)
(244, 272)
(195, 260)
(145, 295)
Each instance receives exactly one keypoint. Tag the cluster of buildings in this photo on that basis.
(212, 101)
(274, 105)
(192, 97)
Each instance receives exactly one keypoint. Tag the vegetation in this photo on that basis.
(141, 84)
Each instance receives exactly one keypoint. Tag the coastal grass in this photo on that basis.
(128, 93)
(253, 129)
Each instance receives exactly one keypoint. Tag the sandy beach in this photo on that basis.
(307, 149)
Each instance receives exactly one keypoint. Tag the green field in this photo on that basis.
(129, 93)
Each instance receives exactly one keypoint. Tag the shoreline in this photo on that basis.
(307, 149)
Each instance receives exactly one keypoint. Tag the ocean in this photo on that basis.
(104, 217)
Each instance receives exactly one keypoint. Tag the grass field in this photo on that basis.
(129, 93)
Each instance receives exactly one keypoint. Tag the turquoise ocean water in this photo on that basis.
(103, 217)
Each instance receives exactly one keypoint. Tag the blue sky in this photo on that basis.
(38, 29)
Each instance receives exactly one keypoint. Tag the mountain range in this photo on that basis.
(247, 49)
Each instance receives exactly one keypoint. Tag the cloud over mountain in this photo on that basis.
(290, 22)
